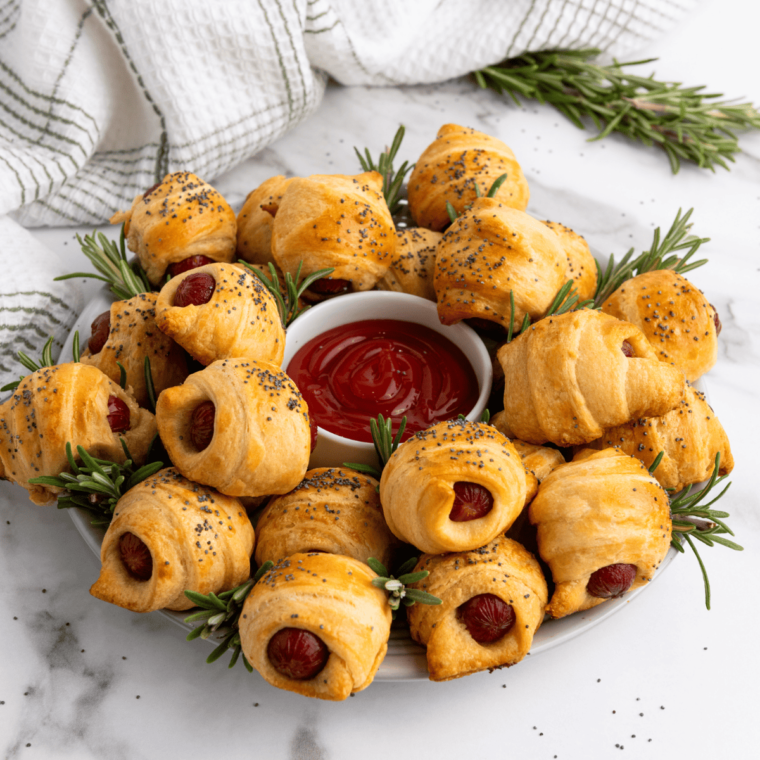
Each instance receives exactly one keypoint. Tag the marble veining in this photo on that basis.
(82, 679)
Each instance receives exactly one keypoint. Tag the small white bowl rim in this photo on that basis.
(352, 307)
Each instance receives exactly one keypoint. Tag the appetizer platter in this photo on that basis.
(346, 435)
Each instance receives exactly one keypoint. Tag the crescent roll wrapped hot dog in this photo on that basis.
(256, 218)
(131, 334)
(569, 377)
(487, 253)
(676, 318)
(169, 535)
(330, 510)
(413, 267)
(690, 436)
(177, 220)
(221, 311)
(239, 426)
(68, 403)
(603, 527)
(315, 624)
(493, 603)
(338, 221)
(453, 487)
(450, 167)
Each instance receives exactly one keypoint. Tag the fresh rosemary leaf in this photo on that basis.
(195, 633)
(150, 388)
(122, 375)
(656, 463)
(497, 183)
(221, 649)
(203, 615)
(686, 122)
(510, 329)
(377, 566)
(365, 468)
(413, 577)
(422, 597)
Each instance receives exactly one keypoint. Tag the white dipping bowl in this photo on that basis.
(333, 450)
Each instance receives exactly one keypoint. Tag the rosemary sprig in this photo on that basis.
(392, 180)
(110, 260)
(75, 352)
(495, 185)
(567, 299)
(385, 444)
(221, 613)
(96, 484)
(694, 521)
(46, 360)
(688, 123)
(662, 254)
(398, 593)
(287, 302)
(122, 375)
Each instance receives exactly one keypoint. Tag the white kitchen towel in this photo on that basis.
(32, 306)
(99, 99)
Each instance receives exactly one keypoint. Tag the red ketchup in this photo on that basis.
(382, 366)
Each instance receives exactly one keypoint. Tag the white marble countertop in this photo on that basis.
(84, 679)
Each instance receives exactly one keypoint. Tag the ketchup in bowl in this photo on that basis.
(382, 366)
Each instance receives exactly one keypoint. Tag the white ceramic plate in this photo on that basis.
(405, 660)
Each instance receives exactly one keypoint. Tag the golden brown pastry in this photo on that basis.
(690, 436)
(570, 377)
(131, 334)
(169, 535)
(220, 311)
(179, 218)
(488, 252)
(450, 166)
(338, 221)
(493, 603)
(538, 461)
(315, 624)
(256, 218)
(68, 403)
(581, 265)
(330, 510)
(603, 528)
(239, 426)
(453, 487)
(413, 267)
(676, 318)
